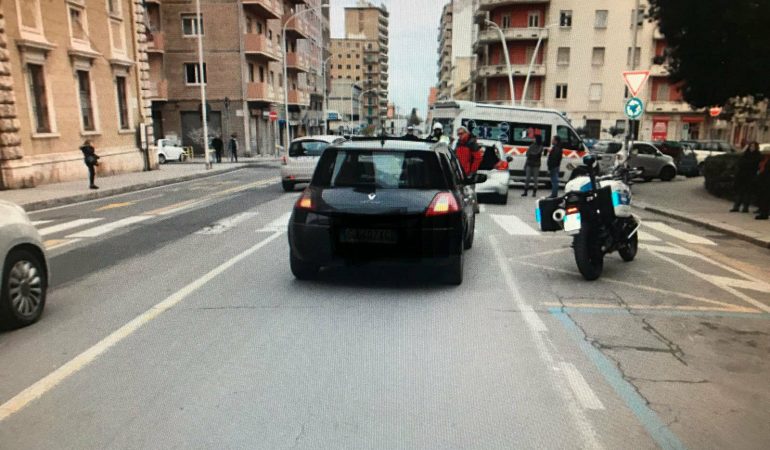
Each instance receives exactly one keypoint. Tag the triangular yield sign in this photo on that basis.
(635, 80)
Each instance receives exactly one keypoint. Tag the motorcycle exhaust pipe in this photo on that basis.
(558, 215)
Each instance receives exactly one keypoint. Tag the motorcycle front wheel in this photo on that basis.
(628, 253)
(588, 255)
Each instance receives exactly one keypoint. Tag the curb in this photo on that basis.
(726, 229)
(62, 201)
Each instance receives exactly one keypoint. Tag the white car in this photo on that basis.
(169, 150)
(304, 152)
(495, 166)
(25, 271)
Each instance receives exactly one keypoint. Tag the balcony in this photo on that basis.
(668, 107)
(268, 9)
(297, 61)
(657, 35)
(159, 89)
(297, 27)
(487, 5)
(297, 2)
(263, 92)
(299, 98)
(156, 42)
(491, 36)
(501, 70)
(658, 70)
(259, 45)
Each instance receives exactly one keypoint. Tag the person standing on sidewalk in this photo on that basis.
(218, 148)
(763, 188)
(233, 147)
(554, 163)
(532, 165)
(92, 160)
(744, 185)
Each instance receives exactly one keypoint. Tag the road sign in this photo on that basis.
(273, 116)
(635, 80)
(634, 108)
(715, 111)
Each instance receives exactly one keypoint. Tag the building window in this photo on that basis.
(506, 21)
(662, 93)
(637, 57)
(533, 20)
(39, 98)
(192, 73)
(339, 66)
(78, 24)
(251, 73)
(30, 19)
(192, 25)
(122, 103)
(565, 18)
(347, 66)
(113, 7)
(358, 66)
(562, 56)
(639, 15)
(597, 56)
(601, 18)
(595, 92)
(561, 91)
(86, 102)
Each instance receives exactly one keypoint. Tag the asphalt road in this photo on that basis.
(174, 321)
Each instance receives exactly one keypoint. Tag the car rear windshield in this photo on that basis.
(307, 148)
(379, 169)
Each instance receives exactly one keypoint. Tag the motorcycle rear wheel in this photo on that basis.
(588, 256)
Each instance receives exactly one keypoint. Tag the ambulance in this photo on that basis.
(515, 127)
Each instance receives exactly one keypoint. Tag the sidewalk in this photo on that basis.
(686, 199)
(58, 194)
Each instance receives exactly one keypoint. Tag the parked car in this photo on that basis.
(673, 149)
(705, 148)
(653, 163)
(688, 162)
(24, 268)
(170, 150)
(495, 166)
(297, 166)
(379, 200)
(608, 153)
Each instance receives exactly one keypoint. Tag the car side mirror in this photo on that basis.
(476, 178)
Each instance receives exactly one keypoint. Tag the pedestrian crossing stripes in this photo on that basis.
(227, 223)
(108, 227)
(514, 226)
(681, 235)
(67, 226)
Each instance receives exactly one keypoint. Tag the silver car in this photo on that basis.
(495, 166)
(652, 162)
(24, 268)
(298, 165)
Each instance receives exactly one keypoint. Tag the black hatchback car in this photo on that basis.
(384, 200)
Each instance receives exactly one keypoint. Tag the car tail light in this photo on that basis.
(572, 209)
(443, 203)
(501, 165)
(305, 201)
(284, 161)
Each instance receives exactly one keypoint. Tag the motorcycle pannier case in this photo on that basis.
(544, 214)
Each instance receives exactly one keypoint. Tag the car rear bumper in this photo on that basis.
(298, 176)
(497, 183)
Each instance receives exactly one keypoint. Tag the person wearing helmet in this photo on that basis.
(438, 134)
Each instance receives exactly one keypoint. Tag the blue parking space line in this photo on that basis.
(661, 312)
(658, 430)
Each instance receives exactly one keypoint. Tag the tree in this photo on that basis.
(717, 49)
(414, 119)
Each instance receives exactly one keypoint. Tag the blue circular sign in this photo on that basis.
(634, 108)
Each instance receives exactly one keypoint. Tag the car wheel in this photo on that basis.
(667, 173)
(162, 159)
(288, 186)
(23, 294)
(301, 269)
(454, 271)
(468, 239)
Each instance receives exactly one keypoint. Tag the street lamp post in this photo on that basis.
(285, 70)
(202, 81)
(325, 106)
(532, 62)
(507, 59)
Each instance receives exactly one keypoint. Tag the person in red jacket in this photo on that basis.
(468, 152)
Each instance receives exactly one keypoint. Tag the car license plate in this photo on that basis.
(367, 236)
(572, 222)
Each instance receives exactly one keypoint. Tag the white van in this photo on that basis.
(516, 127)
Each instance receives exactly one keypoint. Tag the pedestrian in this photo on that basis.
(218, 148)
(748, 166)
(468, 152)
(532, 165)
(438, 134)
(554, 164)
(233, 147)
(92, 160)
(763, 188)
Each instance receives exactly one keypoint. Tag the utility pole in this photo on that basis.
(202, 81)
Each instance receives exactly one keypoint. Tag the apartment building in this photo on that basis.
(344, 105)
(455, 57)
(243, 69)
(444, 74)
(580, 52)
(70, 71)
(362, 56)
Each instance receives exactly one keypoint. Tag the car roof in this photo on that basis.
(321, 137)
(388, 144)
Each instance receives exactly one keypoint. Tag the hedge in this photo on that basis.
(719, 174)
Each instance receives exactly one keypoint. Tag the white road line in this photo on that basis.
(647, 237)
(225, 224)
(279, 224)
(580, 387)
(542, 342)
(687, 237)
(108, 227)
(67, 226)
(514, 226)
(37, 223)
(45, 384)
(742, 284)
(482, 208)
(666, 249)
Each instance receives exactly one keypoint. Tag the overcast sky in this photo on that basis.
(412, 49)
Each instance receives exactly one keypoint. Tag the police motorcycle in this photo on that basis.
(596, 211)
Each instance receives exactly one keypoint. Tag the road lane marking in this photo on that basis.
(687, 237)
(173, 208)
(668, 249)
(37, 223)
(647, 237)
(739, 309)
(47, 383)
(67, 226)
(538, 332)
(227, 223)
(279, 224)
(513, 225)
(53, 244)
(742, 284)
(108, 227)
(115, 206)
(580, 387)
